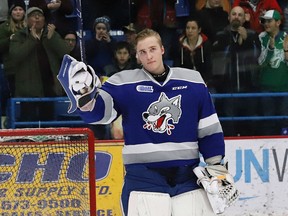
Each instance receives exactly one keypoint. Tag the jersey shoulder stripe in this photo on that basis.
(140, 75)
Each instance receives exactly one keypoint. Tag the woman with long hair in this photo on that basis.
(194, 49)
(15, 22)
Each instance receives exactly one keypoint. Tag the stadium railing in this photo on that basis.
(249, 95)
(62, 118)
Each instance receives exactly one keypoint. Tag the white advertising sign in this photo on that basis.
(260, 173)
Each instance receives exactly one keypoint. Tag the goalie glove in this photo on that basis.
(80, 84)
(219, 185)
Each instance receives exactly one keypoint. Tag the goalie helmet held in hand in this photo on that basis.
(79, 82)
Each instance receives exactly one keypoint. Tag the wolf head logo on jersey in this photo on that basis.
(161, 112)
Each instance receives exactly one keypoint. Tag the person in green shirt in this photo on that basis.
(273, 62)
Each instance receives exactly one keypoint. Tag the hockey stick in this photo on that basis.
(80, 30)
(26, 2)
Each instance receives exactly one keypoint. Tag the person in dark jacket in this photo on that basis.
(57, 12)
(99, 49)
(16, 21)
(235, 69)
(71, 39)
(37, 52)
(195, 50)
(214, 18)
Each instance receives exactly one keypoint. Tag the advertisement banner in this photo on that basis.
(259, 167)
(53, 180)
(109, 175)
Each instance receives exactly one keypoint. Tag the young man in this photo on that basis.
(168, 119)
(273, 62)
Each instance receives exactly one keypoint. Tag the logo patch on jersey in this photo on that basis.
(179, 87)
(161, 113)
(144, 88)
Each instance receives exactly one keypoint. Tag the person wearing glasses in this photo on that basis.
(71, 39)
(37, 52)
(57, 12)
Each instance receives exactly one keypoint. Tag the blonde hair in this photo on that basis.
(145, 33)
(15, 26)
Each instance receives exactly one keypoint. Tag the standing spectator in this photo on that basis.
(100, 53)
(274, 69)
(56, 12)
(15, 22)
(71, 39)
(254, 9)
(100, 49)
(213, 18)
(3, 10)
(235, 53)
(195, 50)
(37, 52)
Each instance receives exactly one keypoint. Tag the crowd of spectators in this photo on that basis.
(238, 46)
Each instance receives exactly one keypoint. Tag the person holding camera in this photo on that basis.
(100, 48)
(100, 53)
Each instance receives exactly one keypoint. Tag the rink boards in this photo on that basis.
(258, 164)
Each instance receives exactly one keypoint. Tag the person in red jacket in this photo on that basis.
(254, 9)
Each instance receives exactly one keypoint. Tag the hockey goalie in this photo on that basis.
(168, 120)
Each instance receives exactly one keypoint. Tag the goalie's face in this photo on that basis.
(149, 53)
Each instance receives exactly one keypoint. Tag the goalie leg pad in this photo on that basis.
(192, 203)
(149, 204)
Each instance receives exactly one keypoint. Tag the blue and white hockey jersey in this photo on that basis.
(165, 124)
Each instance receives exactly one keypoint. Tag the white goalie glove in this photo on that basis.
(219, 185)
(80, 83)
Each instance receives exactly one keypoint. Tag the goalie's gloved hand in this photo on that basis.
(80, 83)
(218, 183)
(84, 83)
(217, 167)
(226, 188)
(220, 172)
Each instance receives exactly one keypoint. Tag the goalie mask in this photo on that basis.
(79, 82)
